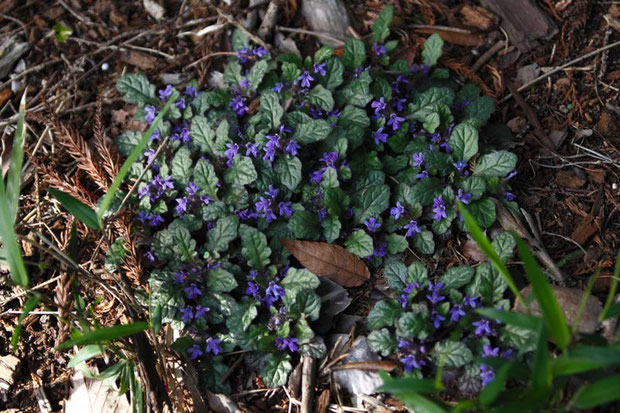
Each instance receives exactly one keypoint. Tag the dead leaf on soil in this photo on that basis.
(93, 396)
(588, 226)
(569, 299)
(569, 180)
(471, 251)
(142, 60)
(478, 17)
(330, 261)
(457, 38)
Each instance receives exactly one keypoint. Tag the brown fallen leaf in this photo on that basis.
(5, 94)
(471, 251)
(569, 180)
(456, 37)
(597, 174)
(142, 60)
(588, 226)
(330, 261)
(477, 16)
(569, 300)
(373, 365)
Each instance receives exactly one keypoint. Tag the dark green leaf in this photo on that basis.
(354, 53)
(105, 334)
(457, 277)
(598, 393)
(382, 341)
(136, 88)
(276, 370)
(384, 314)
(360, 243)
(321, 97)
(499, 164)
(86, 353)
(255, 248)
(453, 353)
(79, 210)
(464, 142)
(432, 50)
(381, 26)
(288, 169)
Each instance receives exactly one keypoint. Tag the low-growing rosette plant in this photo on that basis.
(429, 321)
(353, 148)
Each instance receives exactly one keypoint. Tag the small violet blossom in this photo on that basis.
(464, 197)
(412, 228)
(319, 68)
(456, 313)
(379, 136)
(305, 78)
(483, 328)
(213, 345)
(194, 352)
(372, 224)
(288, 343)
(165, 93)
(439, 209)
(397, 211)
(379, 49)
(417, 159)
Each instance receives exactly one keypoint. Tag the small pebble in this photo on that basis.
(105, 66)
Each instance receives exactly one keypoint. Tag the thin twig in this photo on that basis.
(440, 28)
(307, 384)
(340, 42)
(564, 66)
(210, 55)
(486, 56)
(241, 27)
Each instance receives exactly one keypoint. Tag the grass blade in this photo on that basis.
(541, 367)
(600, 392)
(486, 247)
(552, 313)
(30, 305)
(11, 251)
(612, 291)
(78, 209)
(408, 384)
(13, 179)
(86, 353)
(526, 321)
(105, 334)
(490, 392)
(133, 156)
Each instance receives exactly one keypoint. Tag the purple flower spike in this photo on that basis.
(194, 352)
(213, 345)
(305, 79)
(287, 343)
(412, 228)
(417, 159)
(165, 93)
(439, 209)
(397, 211)
(372, 224)
(379, 136)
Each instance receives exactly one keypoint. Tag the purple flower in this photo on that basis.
(181, 104)
(510, 175)
(486, 374)
(205, 199)
(395, 121)
(270, 153)
(156, 135)
(439, 209)
(379, 49)
(273, 141)
(305, 79)
(191, 189)
(155, 220)
(181, 207)
(287, 343)
(252, 290)
(460, 166)
(317, 176)
(285, 209)
(464, 197)
(238, 105)
(437, 318)
(251, 149)
(397, 211)
(151, 112)
(404, 297)
(244, 83)
(456, 313)
(434, 297)
(165, 93)
(329, 158)
(418, 159)
(490, 351)
(264, 206)
(470, 301)
(379, 136)
(410, 363)
(142, 217)
(201, 311)
(398, 104)
(187, 314)
(507, 354)
(509, 196)
(213, 345)
(292, 147)
(278, 87)
(194, 352)
(320, 68)
(191, 92)
(272, 191)
(192, 291)
(422, 175)
(372, 224)
(231, 152)
(275, 291)
(380, 250)
(483, 328)
(315, 112)
(412, 228)
(379, 105)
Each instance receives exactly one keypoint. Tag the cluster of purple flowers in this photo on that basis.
(156, 188)
(152, 220)
(487, 374)
(181, 133)
(329, 160)
(267, 206)
(413, 355)
(246, 54)
(268, 296)
(191, 200)
(211, 345)
(287, 343)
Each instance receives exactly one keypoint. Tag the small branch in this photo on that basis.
(307, 384)
(252, 36)
(340, 42)
(210, 55)
(486, 56)
(440, 28)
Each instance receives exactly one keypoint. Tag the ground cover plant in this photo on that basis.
(352, 150)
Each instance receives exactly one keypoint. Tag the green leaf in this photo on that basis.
(136, 88)
(205, 177)
(126, 141)
(431, 122)
(371, 202)
(271, 109)
(417, 272)
(424, 242)
(203, 135)
(290, 71)
(78, 209)
(384, 314)
(382, 341)
(357, 93)
(224, 231)
(323, 54)
(221, 281)
(315, 348)
(335, 70)
(489, 251)
(396, 243)
(457, 277)
(331, 228)
(552, 313)
(504, 243)
(306, 303)
(359, 243)
(381, 27)
(464, 142)
(105, 334)
(297, 280)
(181, 166)
(479, 110)
(254, 247)
(14, 174)
(86, 353)
(499, 164)
(62, 32)
(432, 50)
(312, 131)
(412, 325)
(321, 97)
(242, 171)
(304, 225)
(137, 151)
(541, 377)
(512, 318)
(276, 370)
(336, 201)
(354, 53)
(395, 273)
(430, 101)
(408, 385)
(353, 116)
(597, 393)
(288, 169)
(257, 73)
(453, 353)
(483, 212)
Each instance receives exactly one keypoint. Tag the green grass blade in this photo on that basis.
(587, 358)
(133, 156)
(407, 384)
(86, 353)
(78, 209)
(13, 179)
(12, 253)
(597, 393)
(526, 321)
(541, 378)
(105, 334)
(612, 291)
(492, 390)
(584, 300)
(485, 245)
(552, 313)
(30, 305)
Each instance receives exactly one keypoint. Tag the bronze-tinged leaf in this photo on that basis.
(330, 261)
